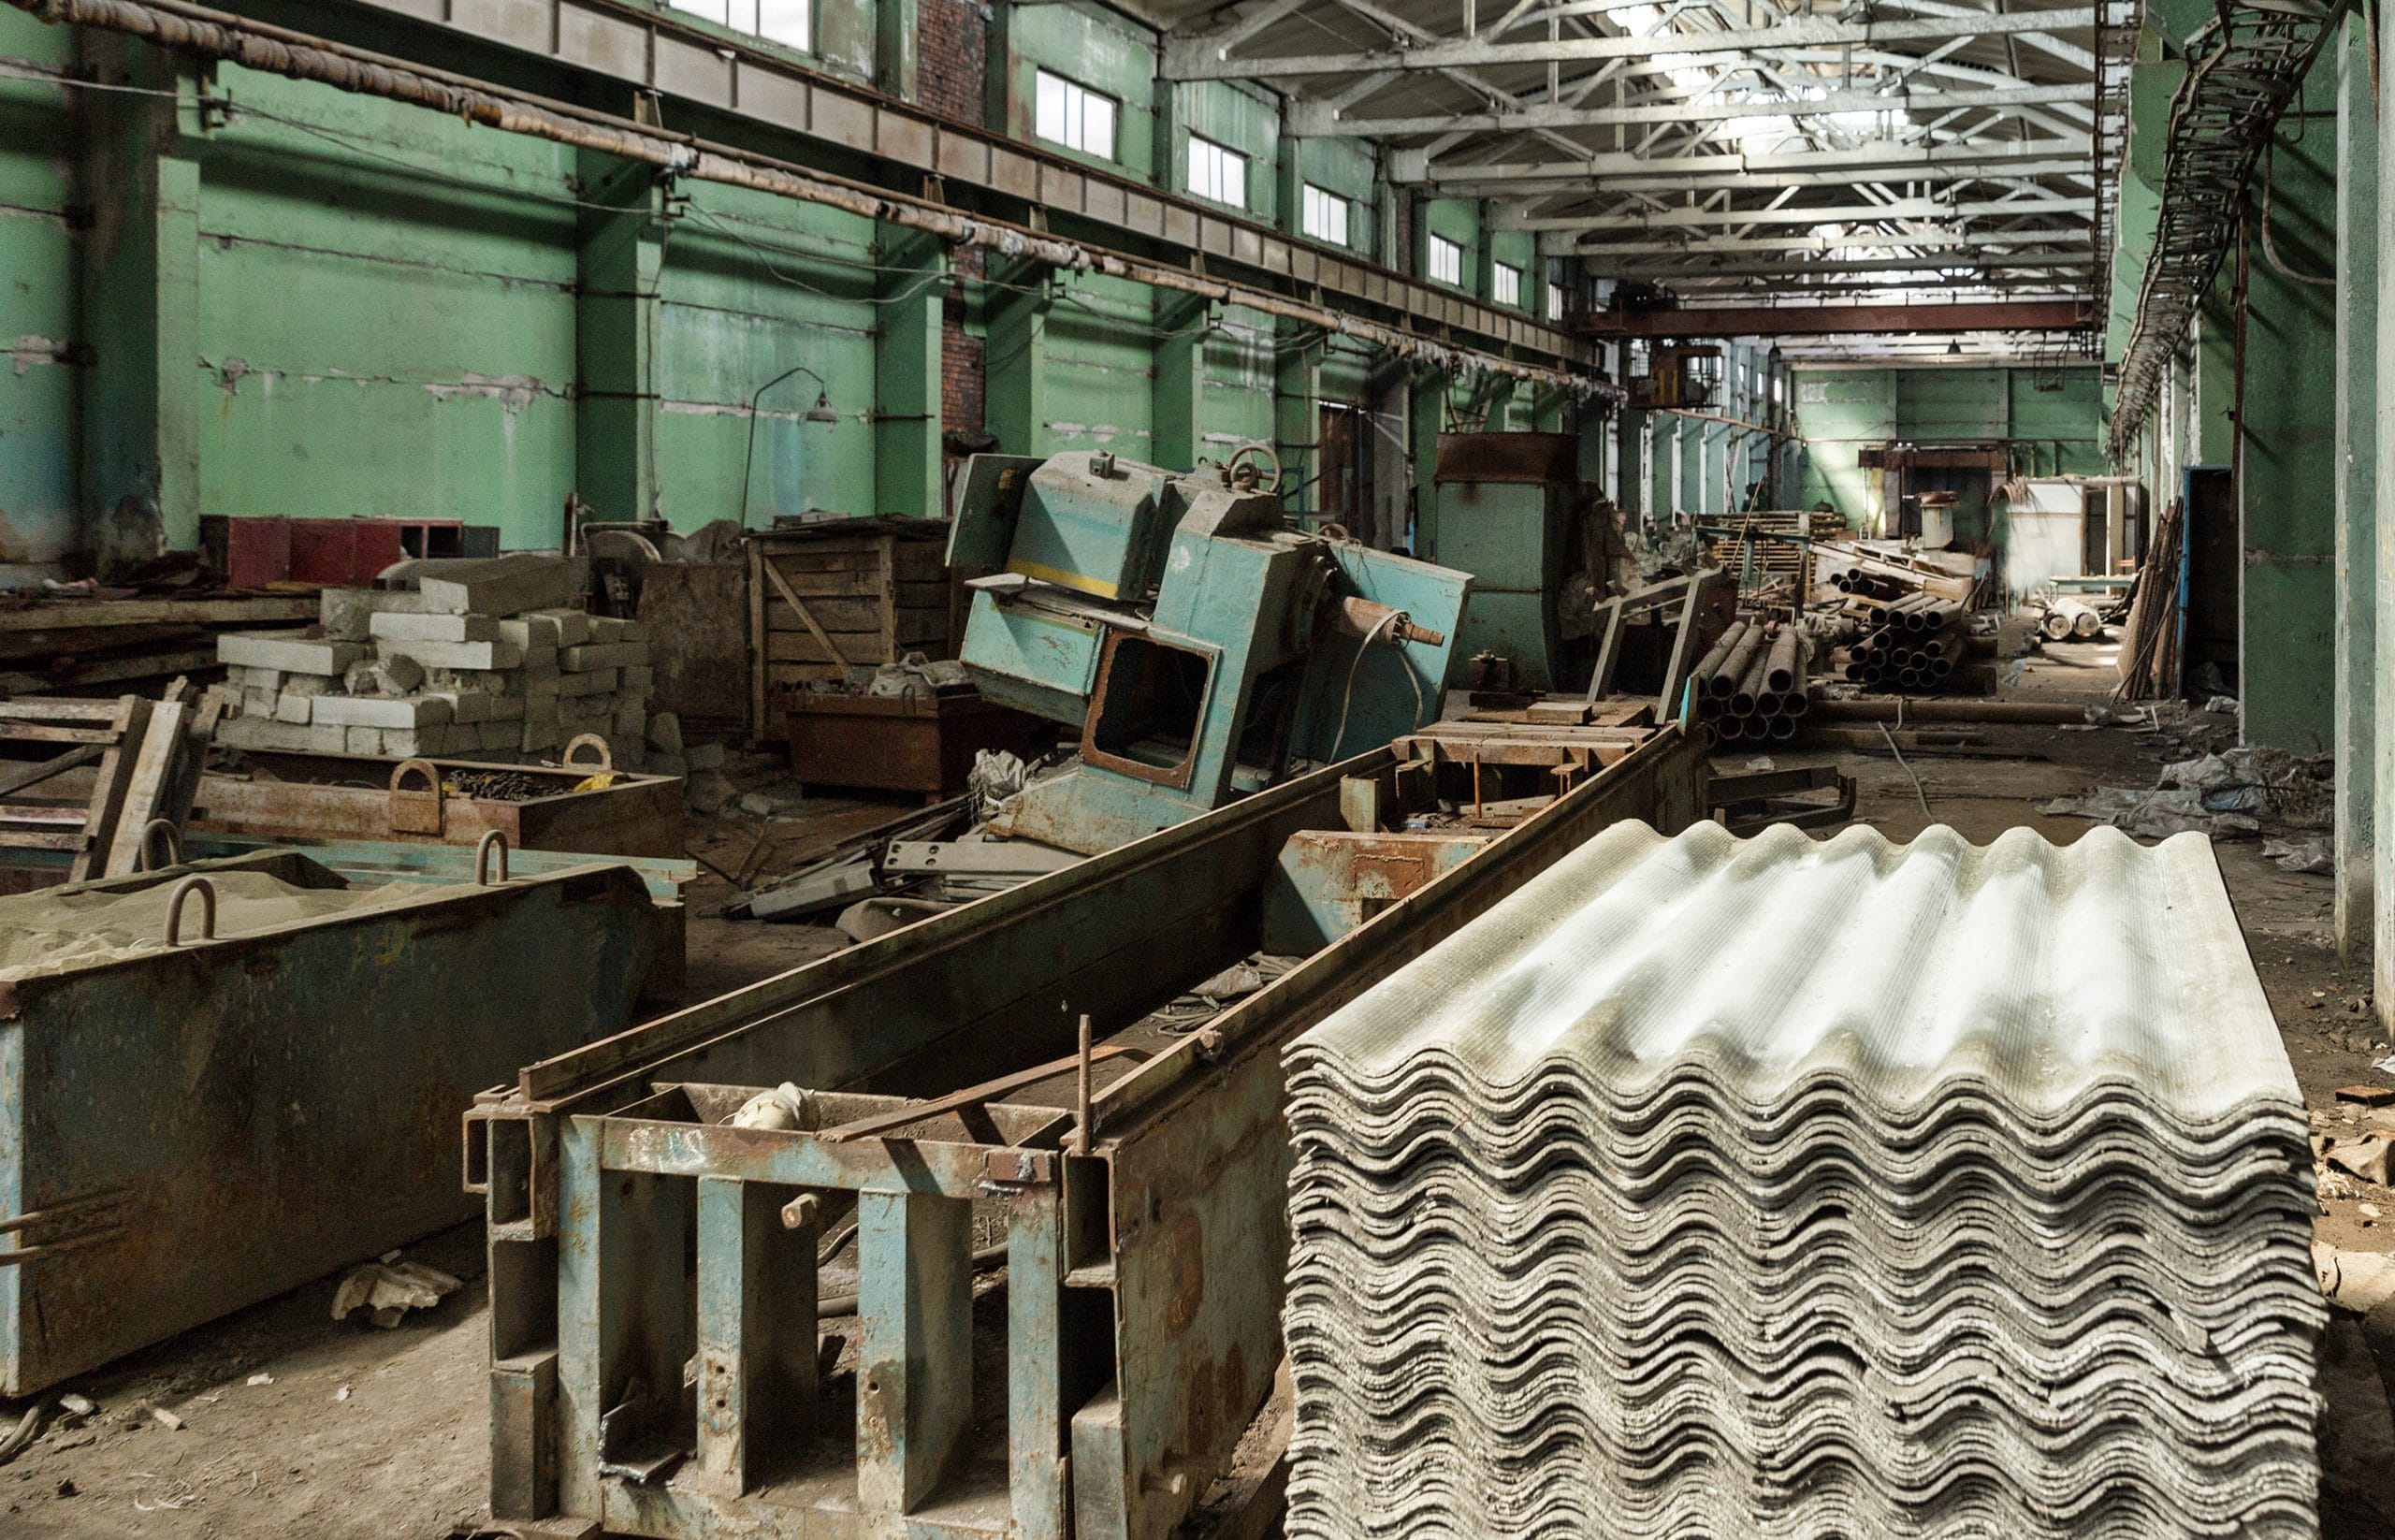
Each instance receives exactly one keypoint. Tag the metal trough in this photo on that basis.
(189, 1126)
(663, 1360)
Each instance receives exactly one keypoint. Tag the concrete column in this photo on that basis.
(2383, 579)
(1630, 460)
(906, 357)
(140, 304)
(1296, 417)
(1016, 413)
(620, 260)
(2288, 484)
(2357, 541)
(1433, 390)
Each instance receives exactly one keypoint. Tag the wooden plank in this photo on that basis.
(111, 671)
(107, 787)
(42, 732)
(17, 780)
(150, 789)
(78, 841)
(858, 616)
(802, 673)
(756, 642)
(152, 612)
(846, 554)
(59, 711)
(797, 647)
(890, 613)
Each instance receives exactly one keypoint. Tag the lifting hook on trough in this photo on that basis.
(184, 890)
(491, 840)
(159, 830)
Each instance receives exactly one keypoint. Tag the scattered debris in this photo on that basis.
(2357, 1281)
(2229, 795)
(2366, 1158)
(260, 1378)
(2301, 855)
(785, 1107)
(13, 1443)
(390, 1289)
(77, 1407)
(2368, 1096)
(166, 1420)
(342, 1394)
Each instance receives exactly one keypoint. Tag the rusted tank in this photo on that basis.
(193, 1122)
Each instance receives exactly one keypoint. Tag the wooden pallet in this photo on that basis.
(142, 750)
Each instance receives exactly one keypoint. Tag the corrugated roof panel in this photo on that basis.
(2034, 972)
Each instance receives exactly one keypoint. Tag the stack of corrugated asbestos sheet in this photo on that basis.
(1709, 1188)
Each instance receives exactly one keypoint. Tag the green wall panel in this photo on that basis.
(385, 330)
(2288, 525)
(728, 324)
(1082, 43)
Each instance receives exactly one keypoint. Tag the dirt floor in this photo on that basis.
(379, 1435)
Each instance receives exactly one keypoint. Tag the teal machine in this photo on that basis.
(1200, 644)
(1505, 515)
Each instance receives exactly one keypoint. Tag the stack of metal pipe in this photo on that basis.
(1665, 1201)
(1752, 686)
(1913, 644)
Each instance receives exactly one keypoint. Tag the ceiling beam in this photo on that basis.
(1313, 120)
(1841, 320)
(1660, 178)
(1890, 155)
(1781, 268)
(1892, 241)
(1684, 219)
(1212, 59)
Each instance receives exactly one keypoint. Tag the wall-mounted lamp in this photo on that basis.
(822, 412)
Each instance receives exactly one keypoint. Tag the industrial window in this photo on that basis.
(1325, 216)
(1074, 116)
(1508, 283)
(786, 22)
(1217, 171)
(1555, 302)
(1446, 261)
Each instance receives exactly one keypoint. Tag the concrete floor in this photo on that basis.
(400, 1456)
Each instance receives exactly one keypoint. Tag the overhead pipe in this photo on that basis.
(320, 61)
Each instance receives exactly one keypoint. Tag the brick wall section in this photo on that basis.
(952, 58)
(952, 61)
(961, 356)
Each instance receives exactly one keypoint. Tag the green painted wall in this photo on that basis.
(1238, 117)
(330, 305)
(1346, 166)
(1088, 45)
(1456, 219)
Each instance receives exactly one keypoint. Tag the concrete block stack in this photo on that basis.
(482, 660)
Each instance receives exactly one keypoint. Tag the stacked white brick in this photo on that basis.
(482, 661)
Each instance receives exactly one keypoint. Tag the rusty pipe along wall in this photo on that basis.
(171, 24)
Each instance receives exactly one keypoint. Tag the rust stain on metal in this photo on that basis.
(1184, 1250)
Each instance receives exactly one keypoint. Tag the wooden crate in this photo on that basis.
(826, 599)
(903, 743)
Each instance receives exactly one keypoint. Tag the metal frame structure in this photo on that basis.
(654, 1272)
(1925, 142)
(2253, 61)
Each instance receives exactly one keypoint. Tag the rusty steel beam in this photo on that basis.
(1841, 320)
